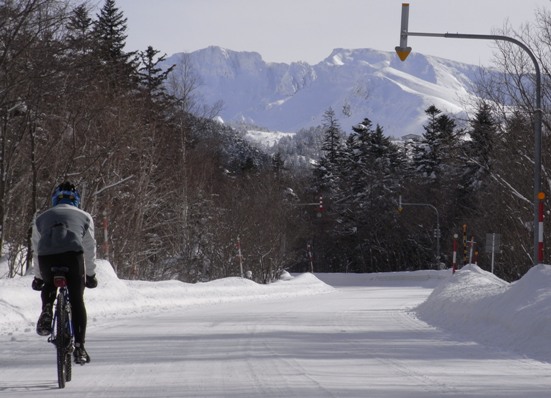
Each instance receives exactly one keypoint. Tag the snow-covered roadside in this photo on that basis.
(114, 297)
(475, 304)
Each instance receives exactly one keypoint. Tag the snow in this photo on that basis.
(514, 316)
(116, 297)
(416, 334)
(266, 138)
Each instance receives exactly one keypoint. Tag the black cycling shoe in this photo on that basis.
(80, 354)
(44, 324)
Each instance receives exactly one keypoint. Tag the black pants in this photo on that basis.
(75, 281)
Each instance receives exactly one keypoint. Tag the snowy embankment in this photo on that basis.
(475, 304)
(114, 297)
(472, 304)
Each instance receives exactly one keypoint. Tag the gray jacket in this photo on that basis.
(64, 228)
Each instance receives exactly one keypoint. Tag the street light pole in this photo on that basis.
(403, 51)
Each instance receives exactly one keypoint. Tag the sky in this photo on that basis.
(419, 334)
(308, 30)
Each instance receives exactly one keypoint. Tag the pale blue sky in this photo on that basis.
(308, 30)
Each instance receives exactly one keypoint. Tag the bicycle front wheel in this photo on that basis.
(60, 340)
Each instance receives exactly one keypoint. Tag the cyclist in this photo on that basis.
(64, 235)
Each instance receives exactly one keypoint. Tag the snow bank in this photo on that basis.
(20, 305)
(481, 307)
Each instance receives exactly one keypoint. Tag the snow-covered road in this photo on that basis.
(359, 341)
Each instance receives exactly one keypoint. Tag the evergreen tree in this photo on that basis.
(358, 155)
(79, 28)
(332, 143)
(80, 58)
(365, 125)
(436, 149)
(151, 76)
(478, 151)
(327, 171)
(376, 170)
(437, 171)
(389, 159)
(110, 32)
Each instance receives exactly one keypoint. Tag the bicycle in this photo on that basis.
(62, 336)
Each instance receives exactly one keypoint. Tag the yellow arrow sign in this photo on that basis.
(403, 52)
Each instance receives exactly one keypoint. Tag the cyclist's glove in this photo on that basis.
(37, 284)
(91, 281)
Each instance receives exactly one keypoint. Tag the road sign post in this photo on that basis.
(454, 257)
(493, 242)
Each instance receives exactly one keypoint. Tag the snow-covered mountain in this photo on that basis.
(356, 83)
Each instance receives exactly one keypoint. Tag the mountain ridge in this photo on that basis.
(355, 83)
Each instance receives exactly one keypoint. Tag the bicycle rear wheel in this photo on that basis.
(69, 345)
(60, 340)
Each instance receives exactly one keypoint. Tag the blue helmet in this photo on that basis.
(66, 193)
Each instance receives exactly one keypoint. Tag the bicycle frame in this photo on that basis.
(65, 292)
